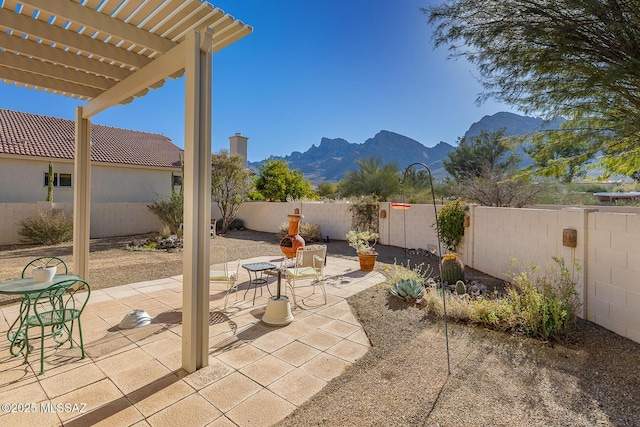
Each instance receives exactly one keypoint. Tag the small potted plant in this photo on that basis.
(363, 242)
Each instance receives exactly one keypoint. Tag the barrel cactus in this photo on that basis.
(461, 288)
(452, 268)
(408, 289)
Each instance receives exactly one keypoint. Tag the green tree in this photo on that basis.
(476, 155)
(484, 167)
(230, 185)
(328, 190)
(567, 58)
(371, 178)
(276, 181)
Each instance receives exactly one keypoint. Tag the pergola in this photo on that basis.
(109, 52)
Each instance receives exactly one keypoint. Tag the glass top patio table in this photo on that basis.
(255, 268)
(28, 288)
(28, 285)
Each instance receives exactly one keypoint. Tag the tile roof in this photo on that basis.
(43, 136)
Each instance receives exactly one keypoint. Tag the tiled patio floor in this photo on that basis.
(257, 374)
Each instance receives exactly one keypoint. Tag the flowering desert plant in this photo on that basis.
(363, 241)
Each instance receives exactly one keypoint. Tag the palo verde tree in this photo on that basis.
(230, 185)
(371, 178)
(574, 59)
(276, 181)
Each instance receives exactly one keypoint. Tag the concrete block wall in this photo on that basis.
(122, 219)
(411, 228)
(107, 219)
(334, 219)
(613, 288)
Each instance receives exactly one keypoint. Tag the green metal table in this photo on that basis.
(27, 288)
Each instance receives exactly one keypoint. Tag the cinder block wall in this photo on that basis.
(608, 243)
(613, 273)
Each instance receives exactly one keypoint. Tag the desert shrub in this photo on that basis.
(46, 228)
(494, 313)
(395, 273)
(539, 304)
(169, 210)
(545, 302)
(450, 223)
(309, 232)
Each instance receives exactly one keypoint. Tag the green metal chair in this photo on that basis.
(46, 261)
(55, 311)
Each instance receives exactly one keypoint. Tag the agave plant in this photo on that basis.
(408, 289)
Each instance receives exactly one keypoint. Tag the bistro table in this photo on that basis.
(255, 268)
(26, 287)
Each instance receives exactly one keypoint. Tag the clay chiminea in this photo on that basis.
(292, 241)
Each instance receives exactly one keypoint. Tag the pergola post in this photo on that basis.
(197, 200)
(82, 196)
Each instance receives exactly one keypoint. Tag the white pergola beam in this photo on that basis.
(41, 81)
(58, 35)
(101, 22)
(25, 64)
(60, 57)
(161, 68)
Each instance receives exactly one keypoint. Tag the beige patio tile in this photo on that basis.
(13, 373)
(27, 393)
(272, 341)
(297, 386)
(266, 370)
(61, 383)
(348, 350)
(240, 357)
(230, 391)
(160, 394)
(132, 369)
(320, 339)
(360, 337)
(316, 321)
(108, 346)
(193, 411)
(142, 423)
(262, 409)
(119, 412)
(296, 353)
(163, 344)
(325, 366)
(173, 360)
(208, 375)
(222, 421)
(336, 310)
(19, 419)
(102, 396)
(340, 328)
(297, 329)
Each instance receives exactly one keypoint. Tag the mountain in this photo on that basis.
(514, 124)
(333, 158)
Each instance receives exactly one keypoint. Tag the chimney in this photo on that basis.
(238, 145)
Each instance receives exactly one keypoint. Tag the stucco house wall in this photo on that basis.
(126, 166)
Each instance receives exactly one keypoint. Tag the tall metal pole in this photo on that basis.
(435, 211)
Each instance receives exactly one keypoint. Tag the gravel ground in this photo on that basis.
(590, 379)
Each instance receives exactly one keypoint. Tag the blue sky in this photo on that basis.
(311, 69)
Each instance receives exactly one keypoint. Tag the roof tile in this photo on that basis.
(44, 136)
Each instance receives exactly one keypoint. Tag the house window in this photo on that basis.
(59, 180)
(177, 180)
